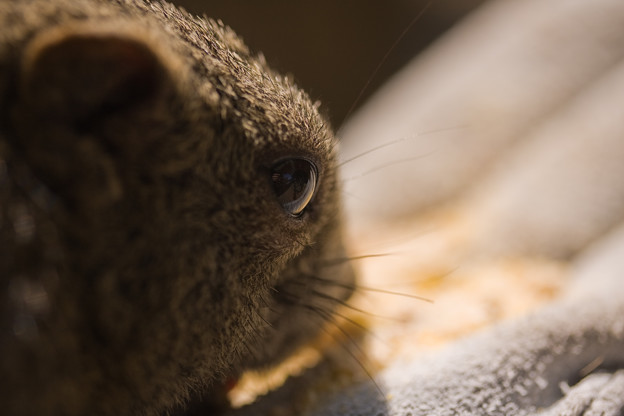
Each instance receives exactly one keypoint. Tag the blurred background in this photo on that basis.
(333, 47)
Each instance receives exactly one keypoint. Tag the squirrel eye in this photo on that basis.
(294, 182)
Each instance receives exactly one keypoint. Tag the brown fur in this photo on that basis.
(144, 256)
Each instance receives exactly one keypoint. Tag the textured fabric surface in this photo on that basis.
(537, 364)
(535, 90)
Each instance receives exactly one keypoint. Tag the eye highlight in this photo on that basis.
(294, 182)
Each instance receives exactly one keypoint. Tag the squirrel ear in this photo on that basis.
(86, 95)
(81, 75)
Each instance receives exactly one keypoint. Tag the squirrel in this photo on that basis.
(169, 210)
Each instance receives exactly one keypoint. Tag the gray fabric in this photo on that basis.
(515, 72)
(526, 367)
(539, 166)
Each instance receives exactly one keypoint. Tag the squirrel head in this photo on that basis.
(182, 210)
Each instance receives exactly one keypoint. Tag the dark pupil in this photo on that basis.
(294, 181)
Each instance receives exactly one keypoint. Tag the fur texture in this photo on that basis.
(145, 258)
